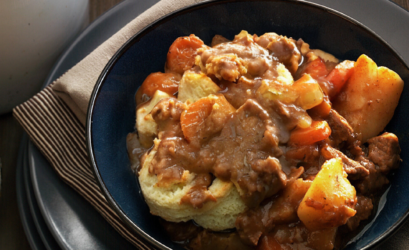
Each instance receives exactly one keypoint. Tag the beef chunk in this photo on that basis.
(297, 236)
(384, 151)
(307, 156)
(304, 153)
(375, 182)
(246, 153)
(167, 116)
(383, 156)
(340, 129)
(282, 209)
(351, 167)
(363, 209)
(283, 48)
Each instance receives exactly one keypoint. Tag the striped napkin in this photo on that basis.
(55, 118)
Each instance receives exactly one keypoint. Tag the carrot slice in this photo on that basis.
(165, 82)
(316, 69)
(322, 110)
(340, 75)
(182, 52)
(193, 120)
(318, 131)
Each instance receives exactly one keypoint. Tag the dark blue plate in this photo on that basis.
(111, 113)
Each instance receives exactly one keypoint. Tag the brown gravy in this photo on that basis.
(248, 142)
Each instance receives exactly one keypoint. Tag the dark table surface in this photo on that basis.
(11, 230)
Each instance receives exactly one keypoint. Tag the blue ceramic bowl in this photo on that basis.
(111, 114)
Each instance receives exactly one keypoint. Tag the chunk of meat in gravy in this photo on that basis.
(173, 153)
(304, 153)
(167, 116)
(307, 156)
(198, 194)
(241, 57)
(238, 93)
(246, 151)
(227, 66)
(354, 169)
(382, 156)
(297, 236)
(285, 49)
(340, 129)
(373, 183)
(363, 209)
(255, 222)
(384, 151)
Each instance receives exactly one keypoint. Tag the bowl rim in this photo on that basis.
(206, 3)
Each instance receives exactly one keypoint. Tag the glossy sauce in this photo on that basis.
(245, 135)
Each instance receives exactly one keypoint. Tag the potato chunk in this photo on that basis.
(145, 125)
(369, 98)
(194, 86)
(305, 92)
(331, 199)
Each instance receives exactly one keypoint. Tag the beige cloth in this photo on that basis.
(75, 86)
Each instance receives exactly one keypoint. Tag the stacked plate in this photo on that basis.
(54, 216)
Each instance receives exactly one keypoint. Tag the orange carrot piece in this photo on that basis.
(340, 75)
(316, 68)
(182, 52)
(322, 110)
(193, 119)
(166, 82)
(318, 131)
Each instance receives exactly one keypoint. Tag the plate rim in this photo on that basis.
(33, 237)
(52, 76)
(48, 240)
